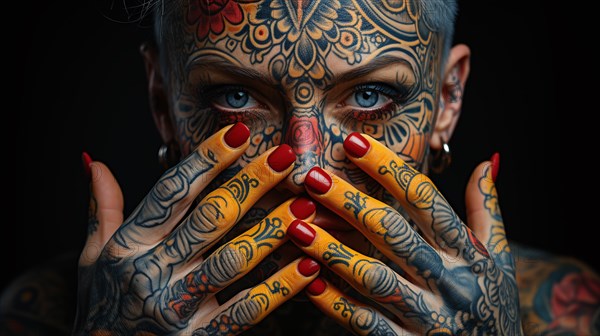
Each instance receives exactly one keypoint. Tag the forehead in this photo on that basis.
(308, 40)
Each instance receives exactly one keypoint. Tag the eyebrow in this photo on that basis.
(363, 70)
(232, 70)
(251, 75)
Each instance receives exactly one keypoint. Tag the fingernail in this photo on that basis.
(308, 266)
(318, 181)
(316, 287)
(281, 158)
(356, 145)
(237, 135)
(301, 233)
(302, 207)
(86, 160)
(495, 165)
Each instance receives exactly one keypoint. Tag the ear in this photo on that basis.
(157, 93)
(454, 80)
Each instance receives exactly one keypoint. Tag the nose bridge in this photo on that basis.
(304, 132)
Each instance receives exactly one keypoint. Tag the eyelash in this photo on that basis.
(226, 117)
(398, 98)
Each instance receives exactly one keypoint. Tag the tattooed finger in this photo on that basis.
(356, 317)
(175, 191)
(252, 306)
(105, 211)
(222, 208)
(415, 192)
(380, 223)
(369, 276)
(234, 259)
(484, 217)
(270, 265)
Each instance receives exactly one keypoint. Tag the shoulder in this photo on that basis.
(558, 295)
(42, 300)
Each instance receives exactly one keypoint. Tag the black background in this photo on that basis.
(80, 85)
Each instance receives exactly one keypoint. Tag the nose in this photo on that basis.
(304, 133)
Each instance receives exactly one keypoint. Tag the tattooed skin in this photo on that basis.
(306, 73)
(295, 72)
(93, 215)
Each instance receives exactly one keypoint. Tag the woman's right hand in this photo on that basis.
(147, 274)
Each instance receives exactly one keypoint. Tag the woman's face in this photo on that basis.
(308, 73)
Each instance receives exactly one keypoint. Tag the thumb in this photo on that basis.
(483, 210)
(105, 214)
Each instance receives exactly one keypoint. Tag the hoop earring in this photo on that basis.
(440, 159)
(168, 155)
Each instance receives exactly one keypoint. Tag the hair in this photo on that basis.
(438, 15)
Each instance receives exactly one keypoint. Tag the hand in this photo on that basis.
(450, 284)
(148, 275)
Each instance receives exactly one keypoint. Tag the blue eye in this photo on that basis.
(237, 99)
(370, 96)
(232, 98)
(366, 98)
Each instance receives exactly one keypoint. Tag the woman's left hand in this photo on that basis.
(450, 283)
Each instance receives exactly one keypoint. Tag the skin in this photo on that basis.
(164, 267)
(462, 286)
(153, 273)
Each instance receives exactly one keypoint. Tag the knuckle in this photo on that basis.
(364, 319)
(421, 192)
(169, 187)
(380, 281)
(208, 213)
(228, 263)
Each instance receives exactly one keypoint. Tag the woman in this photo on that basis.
(310, 75)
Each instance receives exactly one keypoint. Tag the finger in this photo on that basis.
(382, 225)
(252, 306)
(236, 258)
(369, 276)
(483, 215)
(267, 267)
(222, 208)
(356, 317)
(105, 211)
(415, 192)
(176, 190)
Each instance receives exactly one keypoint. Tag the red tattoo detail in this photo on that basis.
(211, 15)
(304, 135)
(477, 244)
(575, 300)
(395, 297)
(228, 118)
(186, 302)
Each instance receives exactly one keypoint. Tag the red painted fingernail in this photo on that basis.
(495, 165)
(301, 233)
(86, 160)
(237, 135)
(356, 145)
(318, 181)
(316, 287)
(302, 207)
(281, 158)
(308, 266)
